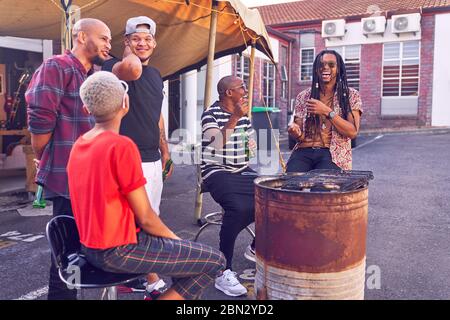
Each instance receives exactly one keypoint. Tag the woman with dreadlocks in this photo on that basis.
(326, 118)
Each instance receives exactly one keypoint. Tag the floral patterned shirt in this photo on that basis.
(340, 147)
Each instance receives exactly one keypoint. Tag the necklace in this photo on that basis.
(330, 104)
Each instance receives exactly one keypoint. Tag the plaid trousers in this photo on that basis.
(192, 266)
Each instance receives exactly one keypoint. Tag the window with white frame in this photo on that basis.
(284, 82)
(243, 68)
(352, 59)
(306, 64)
(269, 83)
(283, 71)
(401, 69)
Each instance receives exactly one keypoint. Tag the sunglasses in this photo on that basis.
(243, 86)
(330, 64)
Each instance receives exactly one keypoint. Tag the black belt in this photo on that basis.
(315, 148)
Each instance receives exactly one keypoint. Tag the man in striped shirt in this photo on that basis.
(226, 143)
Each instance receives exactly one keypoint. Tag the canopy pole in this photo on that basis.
(211, 50)
(206, 102)
(251, 78)
(66, 28)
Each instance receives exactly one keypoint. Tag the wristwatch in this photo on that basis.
(331, 115)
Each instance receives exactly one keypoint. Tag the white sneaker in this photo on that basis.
(159, 285)
(249, 253)
(229, 284)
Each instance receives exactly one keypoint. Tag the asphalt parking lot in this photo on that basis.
(407, 240)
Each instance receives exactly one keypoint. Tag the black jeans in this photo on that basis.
(306, 159)
(57, 290)
(235, 193)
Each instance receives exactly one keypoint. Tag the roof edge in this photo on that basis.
(387, 14)
(279, 34)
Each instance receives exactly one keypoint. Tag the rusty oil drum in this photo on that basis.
(309, 245)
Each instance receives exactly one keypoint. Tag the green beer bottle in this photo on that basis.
(248, 153)
(167, 169)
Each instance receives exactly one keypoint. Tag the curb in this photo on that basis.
(403, 131)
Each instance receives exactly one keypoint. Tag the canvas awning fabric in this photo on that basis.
(182, 31)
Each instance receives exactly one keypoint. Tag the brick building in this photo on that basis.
(395, 53)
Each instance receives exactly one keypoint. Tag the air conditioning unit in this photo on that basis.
(373, 25)
(403, 23)
(333, 28)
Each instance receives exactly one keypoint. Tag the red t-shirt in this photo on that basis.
(101, 172)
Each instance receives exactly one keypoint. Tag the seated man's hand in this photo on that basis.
(241, 108)
(252, 145)
(294, 131)
(172, 235)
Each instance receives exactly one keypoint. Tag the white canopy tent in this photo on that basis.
(190, 33)
(183, 30)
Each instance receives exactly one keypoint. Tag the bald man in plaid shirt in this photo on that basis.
(56, 119)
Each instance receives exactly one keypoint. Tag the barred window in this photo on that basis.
(243, 68)
(401, 69)
(283, 67)
(352, 59)
(306, 64)
(269, 83)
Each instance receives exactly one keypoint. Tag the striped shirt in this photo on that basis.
(54, 106)
(233, 157)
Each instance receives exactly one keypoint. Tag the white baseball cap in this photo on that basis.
(132, 24)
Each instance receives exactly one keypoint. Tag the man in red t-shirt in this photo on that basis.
(109, 201)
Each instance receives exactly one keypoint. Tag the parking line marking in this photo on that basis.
(367, 142)
(17, 236)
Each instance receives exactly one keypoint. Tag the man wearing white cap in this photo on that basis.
(144, 123)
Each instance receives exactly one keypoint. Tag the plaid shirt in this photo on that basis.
(54, 105)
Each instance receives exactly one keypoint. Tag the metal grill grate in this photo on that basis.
(321, 180)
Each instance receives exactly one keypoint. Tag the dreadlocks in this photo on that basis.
(312, 125)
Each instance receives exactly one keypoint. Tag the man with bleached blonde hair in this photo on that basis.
(107, 188)
(103, 99)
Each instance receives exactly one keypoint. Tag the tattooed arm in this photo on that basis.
(164, 146)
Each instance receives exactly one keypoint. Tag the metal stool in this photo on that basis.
(215, 218)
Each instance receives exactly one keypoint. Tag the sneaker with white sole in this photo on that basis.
(249, 253)
(154, 290)
(137, 285)
(229, 284)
